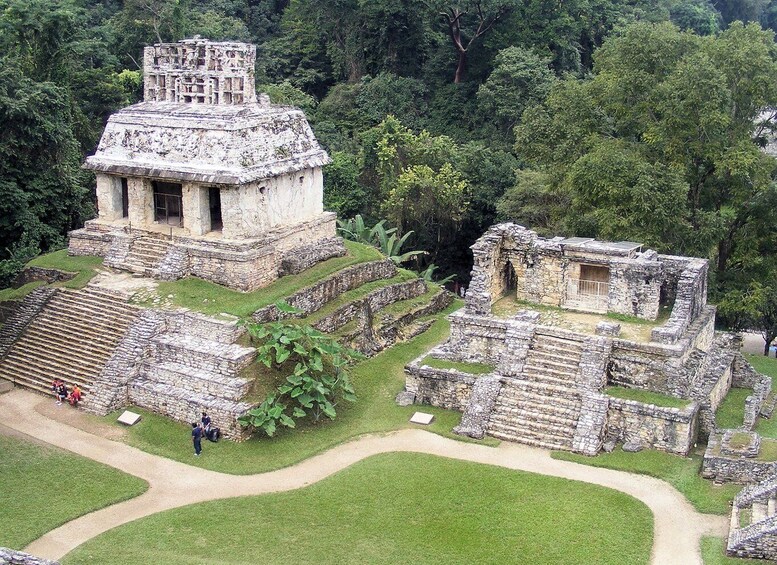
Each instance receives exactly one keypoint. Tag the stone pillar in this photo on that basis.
(196, 208)
(141, 202)
(109, 197)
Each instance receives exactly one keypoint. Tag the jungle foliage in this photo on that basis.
(621, 119)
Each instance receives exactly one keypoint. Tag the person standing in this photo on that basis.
(197, 438)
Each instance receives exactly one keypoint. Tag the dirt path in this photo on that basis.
(678, 527)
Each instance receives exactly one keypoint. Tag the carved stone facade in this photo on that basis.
(548, 387)
(202, 179)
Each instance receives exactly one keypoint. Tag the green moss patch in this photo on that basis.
(646, 397)
(393, 509)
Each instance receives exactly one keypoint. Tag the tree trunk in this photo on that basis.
(461, 67)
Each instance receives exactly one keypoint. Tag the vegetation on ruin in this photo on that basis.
(683, 473)
(316, 375)
(647, 397)
(464, 367)
(209, 298)
(376, 382)
(83, 267)
(731, 412)
(50, 487)
(397, 508)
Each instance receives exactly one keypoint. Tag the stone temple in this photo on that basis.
(560, 321)
(203, 178)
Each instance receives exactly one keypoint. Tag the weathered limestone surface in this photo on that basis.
(304, 257)
(474, 421)
(313, 298)
(13, 557)
(670, 429)
(178, 364)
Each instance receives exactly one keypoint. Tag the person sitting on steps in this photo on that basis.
(55, 389)
(61, 392)
(75, 396)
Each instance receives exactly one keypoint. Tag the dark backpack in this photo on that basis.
(213, 434)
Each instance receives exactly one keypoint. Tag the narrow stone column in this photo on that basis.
(109, 197)
(196, 208)
(141, 201)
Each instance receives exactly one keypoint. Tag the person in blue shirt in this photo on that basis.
(197, 438)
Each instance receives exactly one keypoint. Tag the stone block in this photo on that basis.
(405, 398)
(128, 418)
(422, 418)
(610, 329)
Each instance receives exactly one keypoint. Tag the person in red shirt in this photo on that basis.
(75, 396)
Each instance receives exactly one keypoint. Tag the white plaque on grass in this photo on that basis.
(422, 418)
(129, 418)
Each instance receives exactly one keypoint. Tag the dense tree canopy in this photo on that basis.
(623, 119)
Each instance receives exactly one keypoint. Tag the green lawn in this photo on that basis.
(646, 397)
(680, 472)
(210, 298)
(377, 381)
(83, 267)
(713, 552)
(731, 412)
(464, 367)
(767, 366)
(43, 487)
(394, 509)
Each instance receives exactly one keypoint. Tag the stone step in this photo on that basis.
(771, 505)
(71, 324)
(759, 512)
(231, 388)
(548, 380)
(204, 354)
(36, 341)
(27, 355)
(533, 440)
(552, 341)
(543, 391)
(41, 379)
(101, 337)
(552, 360)
(543, 430)
(563, 375)
(538, 413)
(112, 312)
(98, 299)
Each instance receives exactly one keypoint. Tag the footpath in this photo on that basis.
(677, 526)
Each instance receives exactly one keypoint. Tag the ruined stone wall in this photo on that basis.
(477, 339)
(690, 298)
(314, 297)
(668, 429)
(733, 469)
(646, 366)
(302, 258)
(635, 287)
(12, 557)
(87, 242)
(446, 388)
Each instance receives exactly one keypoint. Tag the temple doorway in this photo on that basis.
(214, 199)
(168, 207)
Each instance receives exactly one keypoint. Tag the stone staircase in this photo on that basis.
(72, 338)
(753, 528)
(144, 255)
(194, 365)
(541, 405)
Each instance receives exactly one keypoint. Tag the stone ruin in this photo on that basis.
(203, 178)
(547, 386)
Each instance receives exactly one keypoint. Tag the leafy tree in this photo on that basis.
(520, 78)
(740, 10)
(698, 16)
(467, 21)
(753, 309)
(342, 192)
(39, 165)
(318, 382)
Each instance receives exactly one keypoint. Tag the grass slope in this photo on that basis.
(731, 412)
(210, 298)
(377, 381)
(464, 367)
(83, 267)
(680, 472)
(43, 487)
(767, 366)
(395, 508)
